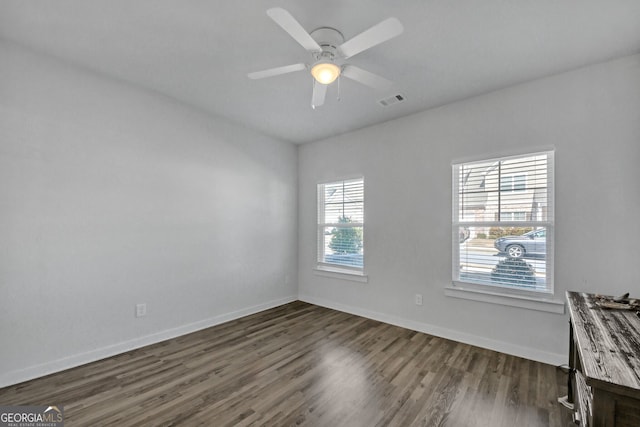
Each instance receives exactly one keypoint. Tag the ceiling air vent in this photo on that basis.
(391, 100)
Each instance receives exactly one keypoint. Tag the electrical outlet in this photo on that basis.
(141, 310)
(418, 299)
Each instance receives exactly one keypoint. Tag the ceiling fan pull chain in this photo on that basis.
(313, 87)
(338, 98)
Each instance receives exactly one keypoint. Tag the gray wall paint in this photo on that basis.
(591, 116)
(111, 196)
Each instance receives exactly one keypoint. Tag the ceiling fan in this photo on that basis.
(329, 50)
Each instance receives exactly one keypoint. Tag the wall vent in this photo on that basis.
(391, 100)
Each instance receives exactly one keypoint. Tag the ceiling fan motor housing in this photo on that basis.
(329, 39)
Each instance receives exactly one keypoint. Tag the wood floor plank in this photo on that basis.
(300, 364)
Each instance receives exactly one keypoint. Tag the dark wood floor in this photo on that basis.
(300, 364)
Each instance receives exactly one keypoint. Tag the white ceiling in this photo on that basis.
(200, 51)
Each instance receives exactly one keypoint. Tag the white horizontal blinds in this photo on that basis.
(344, 199)
(511, 189)
(341, 223)
(503, 220)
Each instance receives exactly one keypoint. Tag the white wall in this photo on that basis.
(111, 196)
(591, 116)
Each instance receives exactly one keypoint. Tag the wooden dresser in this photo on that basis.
(604, 354)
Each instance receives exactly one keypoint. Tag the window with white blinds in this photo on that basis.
(341, 224)
(503, 223)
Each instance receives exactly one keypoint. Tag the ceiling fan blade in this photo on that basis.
(379, 33)
(319, 93)
(276, 71)
(366, 78)
(293, 27)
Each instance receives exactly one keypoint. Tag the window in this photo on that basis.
(513, 182)
(341, 225)
(513, 216)
(504, 207)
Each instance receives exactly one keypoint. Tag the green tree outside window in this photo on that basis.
(347, 240)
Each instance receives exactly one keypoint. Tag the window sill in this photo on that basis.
(548, 305)
(339, 273)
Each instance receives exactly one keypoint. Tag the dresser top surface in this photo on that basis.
(608, 341)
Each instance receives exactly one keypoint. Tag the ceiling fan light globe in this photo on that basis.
(325, 72)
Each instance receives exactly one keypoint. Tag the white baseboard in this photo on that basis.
(25, 374)
(29, 373)
(500, 346)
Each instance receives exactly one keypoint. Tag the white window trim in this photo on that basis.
(338, 271)
(504, 154)
(534, 300)
(464, 291)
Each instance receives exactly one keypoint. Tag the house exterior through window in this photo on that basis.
(504, 209)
